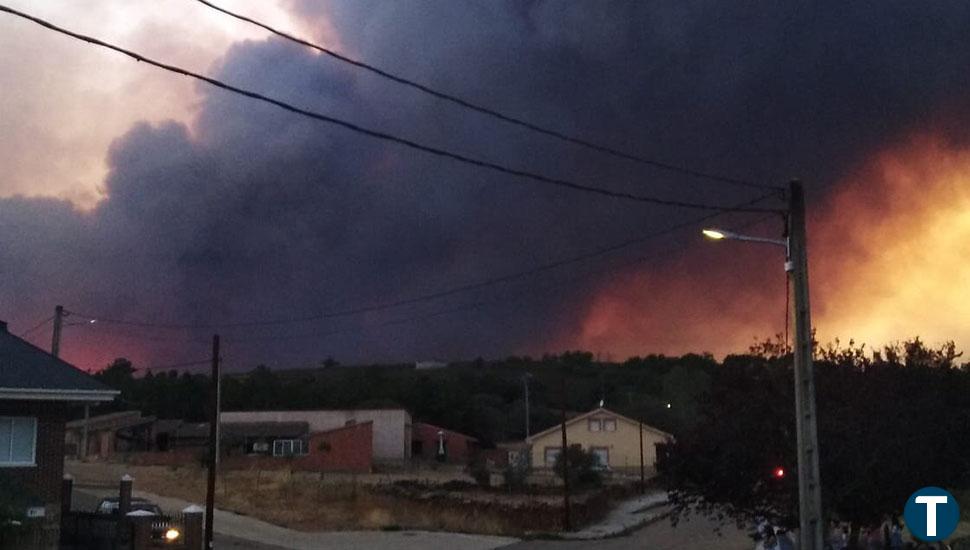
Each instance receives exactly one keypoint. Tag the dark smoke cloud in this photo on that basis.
(253, 213)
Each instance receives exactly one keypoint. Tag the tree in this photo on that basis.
(582, 467)
(885, 429)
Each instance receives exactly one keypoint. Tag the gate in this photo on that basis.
(91, 531)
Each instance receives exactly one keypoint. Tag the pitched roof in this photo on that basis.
(112, 421)
(600, 410)
(28, 372)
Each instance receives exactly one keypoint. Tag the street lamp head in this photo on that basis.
(716, 234)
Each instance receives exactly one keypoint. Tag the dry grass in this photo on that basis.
(315, 502)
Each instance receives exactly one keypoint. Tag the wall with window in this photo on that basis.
(37, 465)
(347, 449)
(614, 441)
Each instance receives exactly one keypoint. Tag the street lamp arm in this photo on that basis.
(765, 240)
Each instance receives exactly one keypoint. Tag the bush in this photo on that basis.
(516, 474)
(583, 471)
(479, 471)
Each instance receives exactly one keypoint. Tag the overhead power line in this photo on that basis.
(525, 174)
(490, 111)
(175, 365)
(27, 332)
(477, 285)
(524, 296)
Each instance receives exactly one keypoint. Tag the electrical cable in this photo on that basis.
(520, 173)
(487, 110)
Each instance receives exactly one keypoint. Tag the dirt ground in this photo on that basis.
(315, 502)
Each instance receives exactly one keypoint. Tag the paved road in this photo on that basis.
(696, 534)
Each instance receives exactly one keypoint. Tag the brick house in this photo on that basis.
(290, 445)
(428, 441)
(390, 428)
(37, 391)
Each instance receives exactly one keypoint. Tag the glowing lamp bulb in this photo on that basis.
(714, 234)
(779, 472)
(669, 405)
(172, 534)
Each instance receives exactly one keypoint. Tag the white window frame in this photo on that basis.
(297, 447)
(594, 422)
(6, 455)
(609, 422)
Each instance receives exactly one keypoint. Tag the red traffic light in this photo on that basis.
(778, 472)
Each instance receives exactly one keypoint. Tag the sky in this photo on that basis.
(127, 193)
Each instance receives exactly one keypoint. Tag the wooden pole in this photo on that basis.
(567, 523)
(643, 476)
(210, 494)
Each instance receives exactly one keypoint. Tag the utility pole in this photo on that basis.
(56, 336)
(528, 426)
(210, 494)
(56, 352)
(643, 473)
(809, 487)
(567, 523)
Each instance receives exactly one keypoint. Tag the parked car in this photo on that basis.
(163, 530)
(110, 506)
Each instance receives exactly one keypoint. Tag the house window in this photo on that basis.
(609, 425)
(551, 454)
(18, 440)
(594, 425)
(288, 447)
(602, 456)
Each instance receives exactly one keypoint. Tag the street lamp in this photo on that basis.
(796, 264)
(716, 234)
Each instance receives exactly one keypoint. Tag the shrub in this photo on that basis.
(479, 471)
(583, 471)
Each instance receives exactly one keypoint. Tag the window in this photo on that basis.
(289, 447)
(552, 453)
(609, 425)
(602, 455)
(594, 425)
(18, 440)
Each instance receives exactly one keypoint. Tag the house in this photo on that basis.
(613, 438)
(107, 434)
(429, 365)
(390, 428)
(171, 434)
(507, 453)
(291, 445)
(37, 392)
(430, 442)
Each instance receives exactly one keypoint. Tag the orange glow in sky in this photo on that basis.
(888, 255)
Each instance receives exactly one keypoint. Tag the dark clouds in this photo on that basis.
(254, 213)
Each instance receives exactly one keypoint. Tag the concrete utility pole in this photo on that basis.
(809, 485)
(56, 336)
(210, 493)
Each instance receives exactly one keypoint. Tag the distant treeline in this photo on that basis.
(482, 398)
